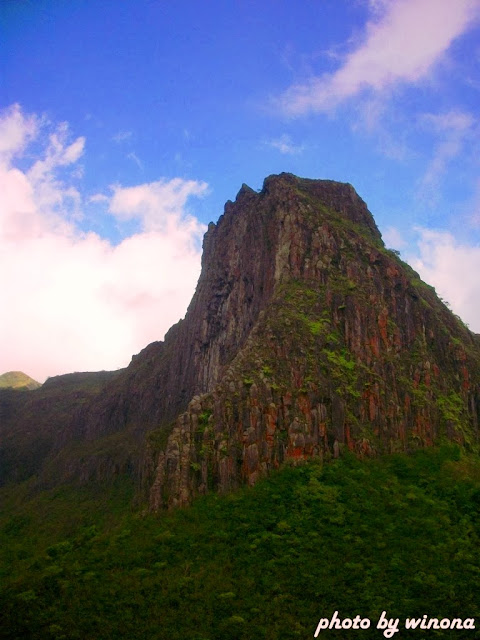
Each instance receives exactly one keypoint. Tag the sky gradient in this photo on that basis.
(126, 125)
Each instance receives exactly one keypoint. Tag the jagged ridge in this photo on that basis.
(351, 350)
(304, 335)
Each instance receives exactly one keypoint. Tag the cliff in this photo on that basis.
(304, 336)
(349, 348)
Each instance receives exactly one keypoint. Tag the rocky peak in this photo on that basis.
(260, 238)
(304, 336)
(320, 339)
(337, 197)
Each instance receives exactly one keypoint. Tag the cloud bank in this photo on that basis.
(452, 268)
(72, 300)
(403, 42)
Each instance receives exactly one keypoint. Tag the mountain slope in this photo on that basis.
(352, 350)
(397, 533)
(17, 380)
(304, 336)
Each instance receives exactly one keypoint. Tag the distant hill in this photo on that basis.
(18, 380)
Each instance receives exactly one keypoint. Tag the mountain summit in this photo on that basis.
(18, 380)
(305, 336)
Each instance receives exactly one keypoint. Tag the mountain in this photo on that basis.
(17, 380)
(305, 337)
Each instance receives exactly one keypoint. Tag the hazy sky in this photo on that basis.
(125, 125)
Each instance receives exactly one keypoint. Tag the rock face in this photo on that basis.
(346, 346)
(305, 336)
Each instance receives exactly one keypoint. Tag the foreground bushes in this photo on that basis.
(398, 534)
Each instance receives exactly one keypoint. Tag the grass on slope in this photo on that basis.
(397, 534)
(17, 380)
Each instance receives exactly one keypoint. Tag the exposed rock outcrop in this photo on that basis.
(304, 336)
(350, 349)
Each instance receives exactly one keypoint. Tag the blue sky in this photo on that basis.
(126, 125)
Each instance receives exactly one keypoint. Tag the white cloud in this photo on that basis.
(393, 238)
(71, 301)
(451, 267)
(403, 42)
(457, 121)
(378, 7)
(452, 129)
(133, 156)
(157, 205)
(98, 197)
(16, 131)
(285, 145)
(121, 136)
(373, 118)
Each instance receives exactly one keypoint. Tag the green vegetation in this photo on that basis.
(398, 534)
(343, 372)
(452, 407)
(18, 380)
(203, 419)
(317, 327)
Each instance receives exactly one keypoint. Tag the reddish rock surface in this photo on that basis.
(305, 336)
